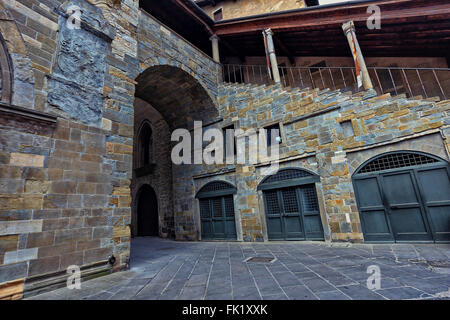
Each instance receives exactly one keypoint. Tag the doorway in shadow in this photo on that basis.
(147, 211)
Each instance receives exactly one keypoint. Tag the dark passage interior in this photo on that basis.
(147, 212)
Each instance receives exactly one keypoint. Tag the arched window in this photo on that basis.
(5, 73)
(145, 145)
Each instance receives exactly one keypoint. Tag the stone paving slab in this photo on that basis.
(168, 270)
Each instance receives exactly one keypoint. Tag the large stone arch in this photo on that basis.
(177, 93)
(22, 84)
(180, 95)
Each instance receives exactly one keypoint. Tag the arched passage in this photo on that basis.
(404, 196)
(147, 212)
(181, 98)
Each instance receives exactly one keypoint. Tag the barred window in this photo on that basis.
(397, 160)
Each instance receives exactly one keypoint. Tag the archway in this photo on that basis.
(177, 95)
(404, 196)
(180, 97)
(147, 212)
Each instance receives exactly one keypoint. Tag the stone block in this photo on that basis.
(122, 231)
(36, 187)
(57, 250)
(63, 187)
(8, 243)
(19, 227)
(103, 232)
(55, 224)
(74, 258)
(97, 255)
(96, 221)
(20, 255)
(52, 201)
(72, 235)
(26, 160)
(43, 266)
(40, 239)
(12, 290)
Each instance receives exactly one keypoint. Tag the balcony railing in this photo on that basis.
(413, 82)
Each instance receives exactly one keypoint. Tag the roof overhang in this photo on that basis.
(408, 28)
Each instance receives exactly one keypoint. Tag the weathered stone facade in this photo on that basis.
(67, 184)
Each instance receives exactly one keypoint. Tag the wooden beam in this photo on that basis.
(397, 11)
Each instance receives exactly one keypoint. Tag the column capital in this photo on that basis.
(268, 31)
(348, 26)
(214, 37)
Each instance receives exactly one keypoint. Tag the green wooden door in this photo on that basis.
(403, 197)
(217, 218)
(434, 186)
(405, 210)
(292, 213)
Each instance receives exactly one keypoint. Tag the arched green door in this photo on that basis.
(217, 211)
(404, 196)
(291, 206)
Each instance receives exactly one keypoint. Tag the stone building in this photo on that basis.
(219, 10)
(89, 104)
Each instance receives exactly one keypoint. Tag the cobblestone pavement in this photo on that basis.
(165, 269)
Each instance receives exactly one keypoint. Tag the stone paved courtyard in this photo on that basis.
(165, 269)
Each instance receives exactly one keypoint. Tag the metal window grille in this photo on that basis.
(216, 186)
(290, 200)
(287, 174)
(229, 206)
(205, 213)
(397, 160)
(217, 207)
(309, 199)
(272, 202)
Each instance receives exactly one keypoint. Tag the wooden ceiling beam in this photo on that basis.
(409, 11)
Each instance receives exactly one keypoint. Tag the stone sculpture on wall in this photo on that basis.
(76, 85)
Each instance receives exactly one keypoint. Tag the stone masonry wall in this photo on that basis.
(311, 128)
(65, 188)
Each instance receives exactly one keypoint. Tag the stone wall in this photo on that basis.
(243, 8)
(312, 130)
(65, 187)
(65, 184)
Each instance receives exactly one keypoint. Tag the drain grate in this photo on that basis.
(261, 259)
